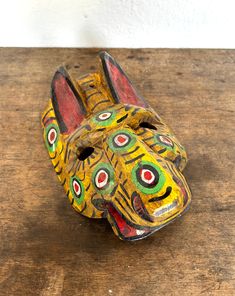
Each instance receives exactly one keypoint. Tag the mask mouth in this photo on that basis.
(128, 231)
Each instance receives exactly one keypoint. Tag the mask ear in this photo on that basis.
(119, 84)
(68, 105)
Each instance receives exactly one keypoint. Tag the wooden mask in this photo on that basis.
(112, 153)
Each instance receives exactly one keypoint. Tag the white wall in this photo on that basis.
(118, 23)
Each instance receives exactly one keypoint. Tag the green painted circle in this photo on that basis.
(52, 146)
(121, 148)
(105, 122)
(78, 199)
(157, 187)
(111, 181)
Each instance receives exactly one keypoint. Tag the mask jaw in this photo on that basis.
(125, 231)
(123, 228)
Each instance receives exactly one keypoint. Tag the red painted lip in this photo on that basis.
(127, 230)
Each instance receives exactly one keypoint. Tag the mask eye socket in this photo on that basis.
(85, 153)
(148, 125)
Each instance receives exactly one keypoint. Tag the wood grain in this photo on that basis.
(46, 248)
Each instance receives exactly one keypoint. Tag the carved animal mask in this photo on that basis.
(112, 153)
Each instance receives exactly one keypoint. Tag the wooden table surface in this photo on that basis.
(46, 248)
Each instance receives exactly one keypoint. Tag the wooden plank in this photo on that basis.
(48, 249)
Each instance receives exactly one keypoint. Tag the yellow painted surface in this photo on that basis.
(145, 187)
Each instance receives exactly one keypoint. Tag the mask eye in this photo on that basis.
(166, 141)
(121, 140)
(148, 125)
(51, 136)
(104, 116)
(77, 190)
(85, 153)
(102, 178)
(148, 177)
